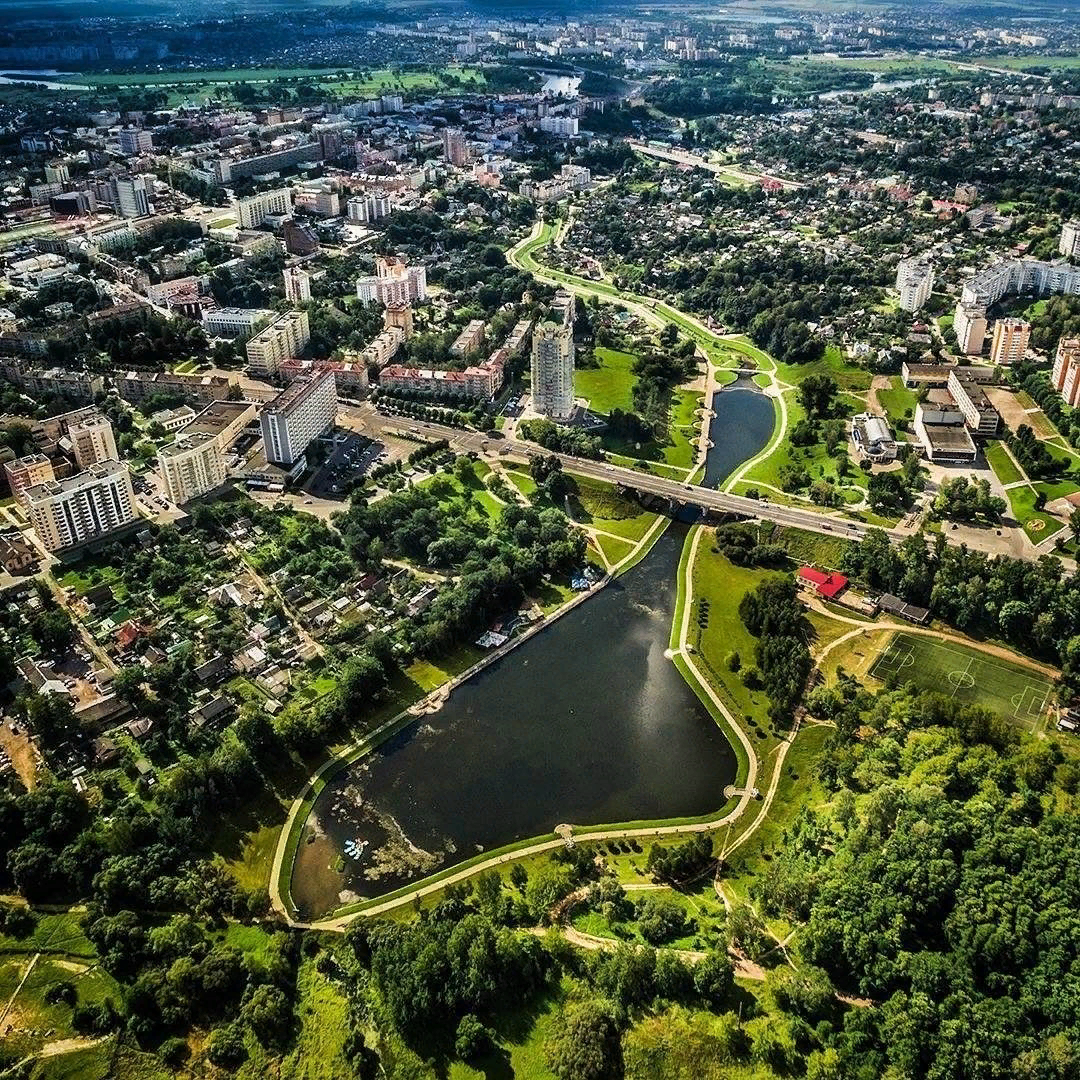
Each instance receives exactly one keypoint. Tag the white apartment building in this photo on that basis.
(384, 347)
(1021, 276)
(82, 507)
(253, 210)
(1010, 341)
(194, 463)
(92, 440)
(296, 417)
(914, 283)
(565, 127)
(286, 337)
(297, 285)
(234, 322)
(364, 209)
(969, 324)
(1070, 240)
(27, 472)
(174, 419)
(553, 360)
(131, 199)
(393, 282)
(191, 467)
(1066, 375)
(135, 141)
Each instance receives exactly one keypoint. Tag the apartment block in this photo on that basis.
(914, 283)
(394, 281)
(480, 381)
(565, 127)
(83, 507)
(1066, 374)
(1010, 341)
(135, 141)
(553, 360)
(297, 285)
(283, 339)
(469, 340)
(296, 417)
(92, 440)
(194, 463)
(399, 314)
(253, 210)
(455, 147)
(1069, 245)
(969, 324)
(27, 472)
(364, 209)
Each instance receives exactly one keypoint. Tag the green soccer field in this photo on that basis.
(969, 675)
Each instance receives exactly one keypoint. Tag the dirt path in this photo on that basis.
(22, 982)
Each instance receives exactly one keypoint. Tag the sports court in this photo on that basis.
(967, 674)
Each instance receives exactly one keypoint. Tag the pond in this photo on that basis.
(586, 723)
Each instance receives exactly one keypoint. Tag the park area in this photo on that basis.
(1007, 688)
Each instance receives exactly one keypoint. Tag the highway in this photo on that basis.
(372, 423)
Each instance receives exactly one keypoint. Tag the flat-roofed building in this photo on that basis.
(92, 440)
(914, 283)
(469, 340)
(1066, 373)
(283, 339)
(972, 401)
(553, 360)
(83, 507)
(191, 466)
(297, 285)
(394, 281)
(1069, 245)
(27, 472)
(297, 416)
(942, 430)
(174, 419)
(194, 463)
(969, 325)
(1010, 342)
(253, 210)
(234, 322)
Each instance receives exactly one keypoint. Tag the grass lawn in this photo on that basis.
(614, 549)
(898, 402)
(609, 386)
(596, 503)
(1005, 469)
(428, 674)
(523, 482)
(1009, 689)
(815, 459)
(1036, 523)
(804, 546)
(722, 585)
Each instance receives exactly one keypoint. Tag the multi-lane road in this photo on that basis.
(365, 418)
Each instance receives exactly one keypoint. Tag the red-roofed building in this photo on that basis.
(823, 583)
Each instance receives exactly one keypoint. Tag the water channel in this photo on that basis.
(588, 722)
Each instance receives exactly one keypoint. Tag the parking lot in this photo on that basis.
(349, 459)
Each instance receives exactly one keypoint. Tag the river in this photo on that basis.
(586, 723)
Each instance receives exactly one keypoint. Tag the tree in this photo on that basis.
(714, 977)
(269, 1015)
(472, 1040)
(816, 394)
(584, 1043)
(51, 717)
(1074, 523)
